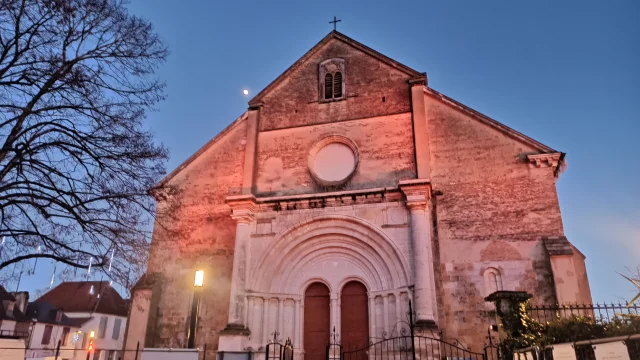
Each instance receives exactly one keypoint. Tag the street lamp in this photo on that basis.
(90, 346)
(195, 304)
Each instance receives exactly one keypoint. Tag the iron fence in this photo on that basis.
(14, 334)
(583, 350)
(600, 312)
(60, 352)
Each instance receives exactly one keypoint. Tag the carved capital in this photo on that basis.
(417, 193)
(243, 208)
(416, 205)
(545, 160)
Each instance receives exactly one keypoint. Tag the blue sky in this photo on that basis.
(566, 73)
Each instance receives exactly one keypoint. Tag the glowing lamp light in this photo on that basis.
(92, 334)
(245, 91)
(199, 278)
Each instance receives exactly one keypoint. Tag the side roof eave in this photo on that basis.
(200, 151)
(489, 121)
(341, 37)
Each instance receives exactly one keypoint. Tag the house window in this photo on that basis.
(116, 329)
(65, 335)
(493, 280)
(46, 335)
(96, 354)
(113, 355)
(332, 80)
(102, 330)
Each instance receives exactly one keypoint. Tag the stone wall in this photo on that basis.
(372, 88)
(195, 232)
(493, 211)
(385, 147)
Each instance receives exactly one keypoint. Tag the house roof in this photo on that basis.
(5, 299)
(76, 296)
(347, 40)
(44, 312)
(5, 295)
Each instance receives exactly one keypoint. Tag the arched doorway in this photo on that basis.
(316, 321)
(354, 316)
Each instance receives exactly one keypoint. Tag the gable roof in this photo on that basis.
(5, 295)
(416, 77)
(75, 296)
(489, 121)
(15, 314)
(200, 151)
(347, 40)
(43, 312)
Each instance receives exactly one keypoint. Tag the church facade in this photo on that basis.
(349, 188)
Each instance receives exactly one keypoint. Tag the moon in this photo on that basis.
(245, 91)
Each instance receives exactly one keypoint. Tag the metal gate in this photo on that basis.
(278, 351)
(408, 345)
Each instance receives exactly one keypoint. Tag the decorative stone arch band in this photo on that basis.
(333, 160)
(333, 248)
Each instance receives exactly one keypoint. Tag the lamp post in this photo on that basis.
(195, 304)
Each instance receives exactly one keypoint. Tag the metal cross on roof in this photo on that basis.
(334, 22)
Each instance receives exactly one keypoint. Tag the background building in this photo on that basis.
(100, 308)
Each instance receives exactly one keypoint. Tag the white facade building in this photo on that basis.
(99, 309)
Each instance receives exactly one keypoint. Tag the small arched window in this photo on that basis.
(337, 85)
(328, 86)
(492, 280)
(332, 80)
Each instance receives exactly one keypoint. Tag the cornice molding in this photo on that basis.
(243, 207)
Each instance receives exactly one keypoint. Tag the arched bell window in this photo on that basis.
(332, 80)
(493, 280)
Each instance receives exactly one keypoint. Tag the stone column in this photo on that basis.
(297, 326)
(385, 316)
(418, 197)
(243, 208)
(301, 330)
(265, 320)
(398, 308)
(281, 318)
(372, 316)
(335, 313)
(249, 311)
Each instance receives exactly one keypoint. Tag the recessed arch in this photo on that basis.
(313, 280)
(328, 246)
(349, 279)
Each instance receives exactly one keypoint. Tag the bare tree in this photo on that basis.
(633, 278)
(77, 78)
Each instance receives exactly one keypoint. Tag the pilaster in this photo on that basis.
(235, 335)
(420, 130)
(418, 201)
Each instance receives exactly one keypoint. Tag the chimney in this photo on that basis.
(22, 300)
(8, 306)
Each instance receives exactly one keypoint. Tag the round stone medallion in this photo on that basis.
(333, 160)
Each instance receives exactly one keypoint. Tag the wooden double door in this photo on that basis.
(354, 319)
